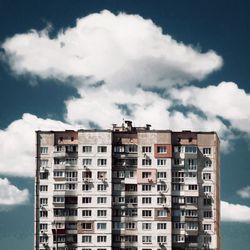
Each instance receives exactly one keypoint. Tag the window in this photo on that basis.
(191, 200)
(146, 213)
(101, 200)
(102, 187)
(178, 161)
(71, 161)
(43, 213)
(130, 225)
(58, 174)
(86, 226)
(87, 174)
(161, 239)
(102, 162)
(43, 150)
(102, 149)
(43, 201)
(191, 149)
(146, 187)
(146, 239)
(206, 151)
(146, 149)
(146, 175)
(161, 187)
(162, 213)
(44, 163)
(190, 213)
(178, 200)
(161, 200)
(43, 226)
(146, 200)
(101, 175)
(146, 226)
(161, 226)
(86, 187)
(86, 199)
(101, 238)
(101, 226)
(206, 176)
(131, 148)
(208, 163)
(207, 214)
(191, 164)
(86, 149)
(179, 225)
(71, 176)
(207, 189)
(177, 187)
(58, 199)
(207, 227)
(178, 238)
(86, 162)
(131, 187)
(44, 175)
(178, 149)
(101, 213)
(59, 186)
(146, 162)
(192, 187)
(207, 201)
(192, 225)
(86, 239)
(162, 175)
(43, 188)
(44, 238)
(161, 162)
(161, 149)
(86, 213)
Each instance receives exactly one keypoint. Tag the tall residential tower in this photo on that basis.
(127, 188)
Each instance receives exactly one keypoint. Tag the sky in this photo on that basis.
(87, 64)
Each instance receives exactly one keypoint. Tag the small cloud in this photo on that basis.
(244, 192)
(11, 196)
(235, 212)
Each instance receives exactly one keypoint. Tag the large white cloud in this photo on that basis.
(234, 212)
(122, 50)
(226, 100)
(10, 195)
(244, 192)
(18, 144)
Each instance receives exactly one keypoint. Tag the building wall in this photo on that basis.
(130, 188)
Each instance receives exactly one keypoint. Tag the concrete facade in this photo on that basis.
(127, 188)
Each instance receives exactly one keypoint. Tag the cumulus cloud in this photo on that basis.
(226, 100)
(122, 50)
(18, 144)
(244, 192)
(10, 195)
(103, 106)
(234, 212)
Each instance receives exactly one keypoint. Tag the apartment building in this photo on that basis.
(127, 188)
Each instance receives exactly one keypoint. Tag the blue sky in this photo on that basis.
(187, 68)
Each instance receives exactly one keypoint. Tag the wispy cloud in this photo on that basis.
(244, 192)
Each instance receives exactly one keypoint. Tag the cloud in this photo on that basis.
(244, 192)
(18, 144)
(11, 196)
(226, 100)
(103, 106)
(122, 50)
(234, 212)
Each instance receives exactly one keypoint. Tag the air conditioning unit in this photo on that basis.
(150, 180)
